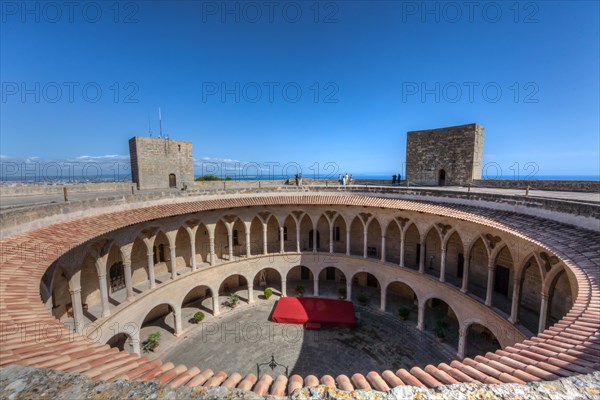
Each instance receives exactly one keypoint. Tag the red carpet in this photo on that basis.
(300, 310)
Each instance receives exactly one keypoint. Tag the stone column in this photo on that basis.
(421, 316)
(349, 290)
(128, 284)
(490, 283)
(516, 299)
(193, 249)
(382, 248)
(543, 313)
(230, 244)
(104, 294)
(265, 244)
(297, 236)
(248, 247)
(177, 315)
(250, 292)
(215, 301)
(330, 238)
(383, 299)
(422, 257)
(134, 343)
(443, 264)
(281, 240)
(365, 238)
(462, 342)
(173, 262)
(402, 248)
(283, 288)
(465, 279)
(211, 246)
(315, 287)
(347, 241)
(151, 276)
(77, 309)
(315, 234)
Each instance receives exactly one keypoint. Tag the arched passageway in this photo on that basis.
(197, 299)
(300, 281)
(267, 278)
(332, 283)
(366, 289)
(412, 247)
(374, 239)
(433, 252)
(480, 340)
(234, 284)
(339, 235)
(121, 341)
(441, 321)
(392, 243)
(478, 270)
(455, 260)
(530, 289)
(162, 318)
(401, 296)
(503, 281)
(560, 298)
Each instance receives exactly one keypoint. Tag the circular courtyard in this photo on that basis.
(239, 340)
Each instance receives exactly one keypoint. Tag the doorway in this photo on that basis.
(442, 178)
(172, 181)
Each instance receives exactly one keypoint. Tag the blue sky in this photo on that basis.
(368, 72)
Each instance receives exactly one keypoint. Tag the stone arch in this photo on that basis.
(306, 225)
(235, 283)
(374, 239)
(366, 286)
(479, 339)
(455, 259)
(256, 236)
(273, 242)
(202, 239)
(530, 289)
(323, 234)
(139, 263)
(478, 268)
(393, 238)
(339, 234)
(162, 256)
(357, 237)
(238, 238)
(435, 309)
(433, 252)
(289, 234)
(221, 240)
(557, 289)
(61, 296)
(268, 278)
(412, 247)
(331, 279)
(300, 275)
(504, 273)
(198, 298)
(164, 316)
(401, 295)
(121, 341)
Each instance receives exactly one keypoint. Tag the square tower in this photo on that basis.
(158, 163)
(444, 156)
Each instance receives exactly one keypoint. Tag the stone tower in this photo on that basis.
(158, 163)
(444, 156)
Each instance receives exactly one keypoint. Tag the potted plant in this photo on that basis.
(403, 312)
(440, 330)
(299, 290)
(152, 342)
(342, 291)
(268, 293)
(198, 317)
(363, 299)
(233, 300)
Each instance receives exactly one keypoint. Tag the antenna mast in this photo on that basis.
(160, 122)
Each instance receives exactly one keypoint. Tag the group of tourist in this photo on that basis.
(345, 179)
(298, 178)
(396, 179)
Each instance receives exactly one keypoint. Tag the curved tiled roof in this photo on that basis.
(569, 347)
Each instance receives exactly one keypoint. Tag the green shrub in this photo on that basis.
(342, 291)
(233, 300)
(363, 299)
(199, 316)
(268, 293)
(207, 178)
(300, 289)
(152, 342)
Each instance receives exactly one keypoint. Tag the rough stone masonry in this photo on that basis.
(444, 156)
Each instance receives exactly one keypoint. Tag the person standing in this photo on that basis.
(393, 179)
(350, 182)
(340, 179)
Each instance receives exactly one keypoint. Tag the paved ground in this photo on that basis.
(19, 201)
(238, 340)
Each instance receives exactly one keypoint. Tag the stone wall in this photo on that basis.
(444, 156)
(154, 160)
(25, 383)
(562, 185)
(34, 190)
